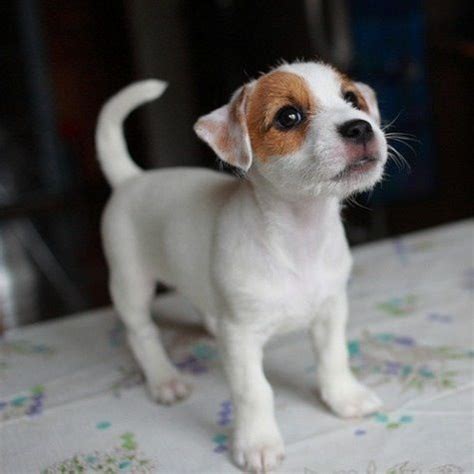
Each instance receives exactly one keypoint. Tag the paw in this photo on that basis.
(259, 456)
(170, 391)
(348, 398)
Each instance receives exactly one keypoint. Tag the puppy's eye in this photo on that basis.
(350, 97)
(288, 117)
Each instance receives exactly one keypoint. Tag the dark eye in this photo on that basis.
(350, 97)
(288, 117)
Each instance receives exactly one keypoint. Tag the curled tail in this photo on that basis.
(114, 158)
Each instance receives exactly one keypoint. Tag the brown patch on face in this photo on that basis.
(348, 86)
(272, 92)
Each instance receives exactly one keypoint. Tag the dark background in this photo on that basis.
(62, 59)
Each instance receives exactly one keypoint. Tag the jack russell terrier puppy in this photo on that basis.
(257, 256)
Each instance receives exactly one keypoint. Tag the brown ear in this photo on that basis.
(225, 131)
(371, 99)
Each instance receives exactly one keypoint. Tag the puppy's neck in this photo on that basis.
(292, 211)
(295, 229)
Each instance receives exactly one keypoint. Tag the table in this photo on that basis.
(73, 400)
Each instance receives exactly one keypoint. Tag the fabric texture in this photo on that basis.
(73, 400)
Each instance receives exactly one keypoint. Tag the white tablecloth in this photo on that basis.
(73, 400)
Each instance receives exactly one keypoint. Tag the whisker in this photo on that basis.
(352, 200)
(402, 142)
(402, 136)
(395, 156)
(405, 136)
(402, 133)
(370, 193)
(398, 158)
(385, 127)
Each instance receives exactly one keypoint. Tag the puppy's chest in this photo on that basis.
(293, 295)
(311, 282)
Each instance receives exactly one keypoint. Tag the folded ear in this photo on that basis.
(225, 131)
(371, 99)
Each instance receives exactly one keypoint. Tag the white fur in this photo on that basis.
(111, 147)
(258, 256)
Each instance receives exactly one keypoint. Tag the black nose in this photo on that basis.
(358, 131)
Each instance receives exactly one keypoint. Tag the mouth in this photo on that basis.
(361, 166)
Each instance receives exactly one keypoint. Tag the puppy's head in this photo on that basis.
(305, 128)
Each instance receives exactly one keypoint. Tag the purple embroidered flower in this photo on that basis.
(392, 367)
(36, 406)
(221, 448)
(440, 318)
(192, 364)
(225, 413)
(404, 341)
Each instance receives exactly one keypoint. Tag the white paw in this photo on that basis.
(260, 456)
(170, 391)
(348, 398)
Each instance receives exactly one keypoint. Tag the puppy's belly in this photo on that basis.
(298, 315)
(292, 323)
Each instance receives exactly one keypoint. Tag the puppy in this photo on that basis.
(257, 256)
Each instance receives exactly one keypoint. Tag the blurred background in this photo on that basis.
(62, 59)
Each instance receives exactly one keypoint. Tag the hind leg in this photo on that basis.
(132, 293)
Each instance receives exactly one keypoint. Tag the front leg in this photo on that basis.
(257, 443)
(340, 390)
